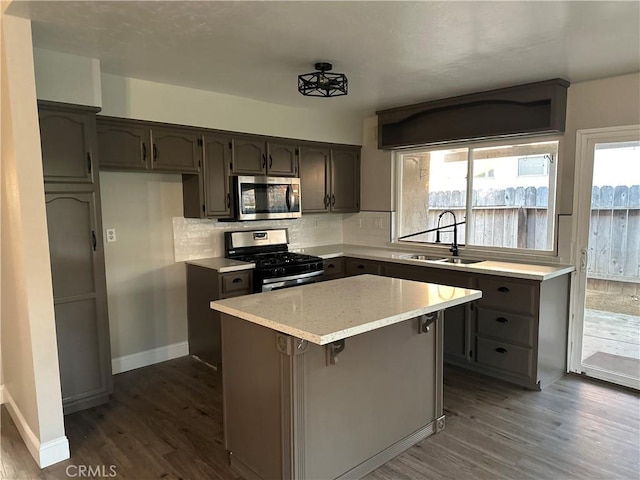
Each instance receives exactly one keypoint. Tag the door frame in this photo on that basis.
(586, 141)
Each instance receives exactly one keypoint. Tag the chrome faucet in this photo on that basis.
(454, 245)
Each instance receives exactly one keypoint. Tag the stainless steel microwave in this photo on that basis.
(263, 198)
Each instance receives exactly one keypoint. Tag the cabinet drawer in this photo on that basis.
(234, 283)
(354, 266)
(507, 294)
(504, 356)
(333, 267)
(505, 326)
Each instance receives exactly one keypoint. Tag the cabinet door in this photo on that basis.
(215, 175)
(79, 290)
(249, 157)
(282, 160)
(68, 141)
(314, 186)
(356, 266)
(345, 181)
(123, 145)
(175, 151)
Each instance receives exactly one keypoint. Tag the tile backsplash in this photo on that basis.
(203, 238)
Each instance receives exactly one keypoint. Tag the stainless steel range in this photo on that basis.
(276, 267)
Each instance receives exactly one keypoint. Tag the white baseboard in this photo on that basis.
(44, 454)
(149, 357)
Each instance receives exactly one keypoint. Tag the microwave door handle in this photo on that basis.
(291, 199)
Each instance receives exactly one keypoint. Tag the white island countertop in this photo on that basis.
(329, 311)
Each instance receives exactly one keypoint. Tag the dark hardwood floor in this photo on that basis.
(165, 421)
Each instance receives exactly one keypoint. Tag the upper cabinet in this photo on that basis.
(207, 195)
(123, 144)
(67, 135)
(259, 157)
(345, 180)
(330, 179)
(142, 146)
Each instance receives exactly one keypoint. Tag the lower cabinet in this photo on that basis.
(333, 268)
(516, 332)
(356, 266)
(203, 286)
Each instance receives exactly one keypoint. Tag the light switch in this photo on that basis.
(111, 234)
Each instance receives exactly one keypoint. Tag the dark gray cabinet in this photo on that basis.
(77, 257)
(253, 156)
(345, 181)
(175, 150)
(356, 266)
(123, 144)
(67, 137)
(314, 179)
(133, 145)
(207, 195)
(203, 286)
(79, 291)
(330, 180)
(516, 332)
(333, 268)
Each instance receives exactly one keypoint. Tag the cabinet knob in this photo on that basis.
(504, 290)
(361, 267)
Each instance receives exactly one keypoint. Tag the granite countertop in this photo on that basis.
(504, 269)
(222, 264)
(489, 267)
(329, 311)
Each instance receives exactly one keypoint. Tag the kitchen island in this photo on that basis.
(333, 379)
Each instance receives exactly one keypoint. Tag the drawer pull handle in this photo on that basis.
(504, 290)
(331, 265)
(501, 350)
(236, 280)
(501, 320)
(361, 267)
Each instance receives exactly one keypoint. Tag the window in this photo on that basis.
(501, 195)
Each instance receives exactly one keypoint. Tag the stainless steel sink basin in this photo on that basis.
(431, 258)
(423, 257)
(458, 260)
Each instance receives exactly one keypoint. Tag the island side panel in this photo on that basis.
(553, 329)
(252, 398)
(385, 387)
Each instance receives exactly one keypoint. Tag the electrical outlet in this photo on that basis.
(111, 235)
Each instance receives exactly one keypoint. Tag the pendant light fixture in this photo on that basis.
(322, 83)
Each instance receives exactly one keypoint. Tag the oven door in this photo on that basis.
(263, 198)
(269, 284)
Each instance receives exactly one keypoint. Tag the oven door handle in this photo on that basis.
(291, 281)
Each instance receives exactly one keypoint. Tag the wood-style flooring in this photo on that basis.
(165, 422)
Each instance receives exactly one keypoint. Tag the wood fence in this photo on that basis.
(517, 218)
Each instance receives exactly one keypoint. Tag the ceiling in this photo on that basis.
(394, 53)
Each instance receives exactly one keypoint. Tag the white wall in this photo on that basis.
(146, 288)
(61, 77)
(607, 102)
(30, 358)
(141, 99)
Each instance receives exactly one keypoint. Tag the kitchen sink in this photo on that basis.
(457, 260)
(431, 258)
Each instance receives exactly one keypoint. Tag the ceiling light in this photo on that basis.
(322, 83)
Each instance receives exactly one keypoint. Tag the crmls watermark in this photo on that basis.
(91, 471)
